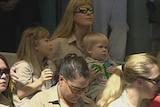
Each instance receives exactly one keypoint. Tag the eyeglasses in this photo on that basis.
(84, 10)
(74, 89)
(4, 71)
(155, 81)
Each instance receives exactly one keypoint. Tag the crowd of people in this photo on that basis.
(73, 68)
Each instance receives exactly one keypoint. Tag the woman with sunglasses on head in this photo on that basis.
(139, 80)
(5, 92)
(75, 24)
(69, 91)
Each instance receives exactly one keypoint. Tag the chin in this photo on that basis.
(74, 101)
(152, 96)
(2, 89)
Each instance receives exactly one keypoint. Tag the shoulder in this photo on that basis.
(23, 66)
(59, 40)
(45, 94)
(24, 71)
(59, 43)
(122, 101)
(43, 97)
(21, 63)
(116, 103)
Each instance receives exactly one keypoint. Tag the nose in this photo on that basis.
(89, 12)
(3, 75)
(50, 44)
(104, 49)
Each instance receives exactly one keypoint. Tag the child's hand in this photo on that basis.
(46, 74)
(94, 73)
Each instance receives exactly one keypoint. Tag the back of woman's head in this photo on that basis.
(66, 25)
(74, 66)
(136, 66)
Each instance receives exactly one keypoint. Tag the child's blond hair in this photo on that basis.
(93, 38)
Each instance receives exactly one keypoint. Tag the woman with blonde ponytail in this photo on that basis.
(139, 80)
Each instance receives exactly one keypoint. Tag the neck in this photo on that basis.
(80, 32)
(134, 96)
(40, 58)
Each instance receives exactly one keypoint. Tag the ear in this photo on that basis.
(89, 51)
(61, 79)
(36, 48)
(36, 45)
(139, 82)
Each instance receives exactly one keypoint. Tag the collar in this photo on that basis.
(53, 96)
(71, 39)
(91, 60)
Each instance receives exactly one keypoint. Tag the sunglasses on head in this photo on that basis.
(4, 71)
(84, 10)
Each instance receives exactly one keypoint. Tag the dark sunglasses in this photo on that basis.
(155, 81)
(84, 10)
(4, 71)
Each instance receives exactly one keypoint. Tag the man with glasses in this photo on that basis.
(69, 91)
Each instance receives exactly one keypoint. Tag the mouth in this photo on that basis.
(104, 54)
(89, 19)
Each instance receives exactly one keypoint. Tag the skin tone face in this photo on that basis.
(99, 51)
(151, 87)
(4, 78)
(44, 47)
(83, 19)
(73, 90)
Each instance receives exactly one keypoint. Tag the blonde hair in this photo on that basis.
(136, 65)
(26, 50)
(92, 38)
(66, 25)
